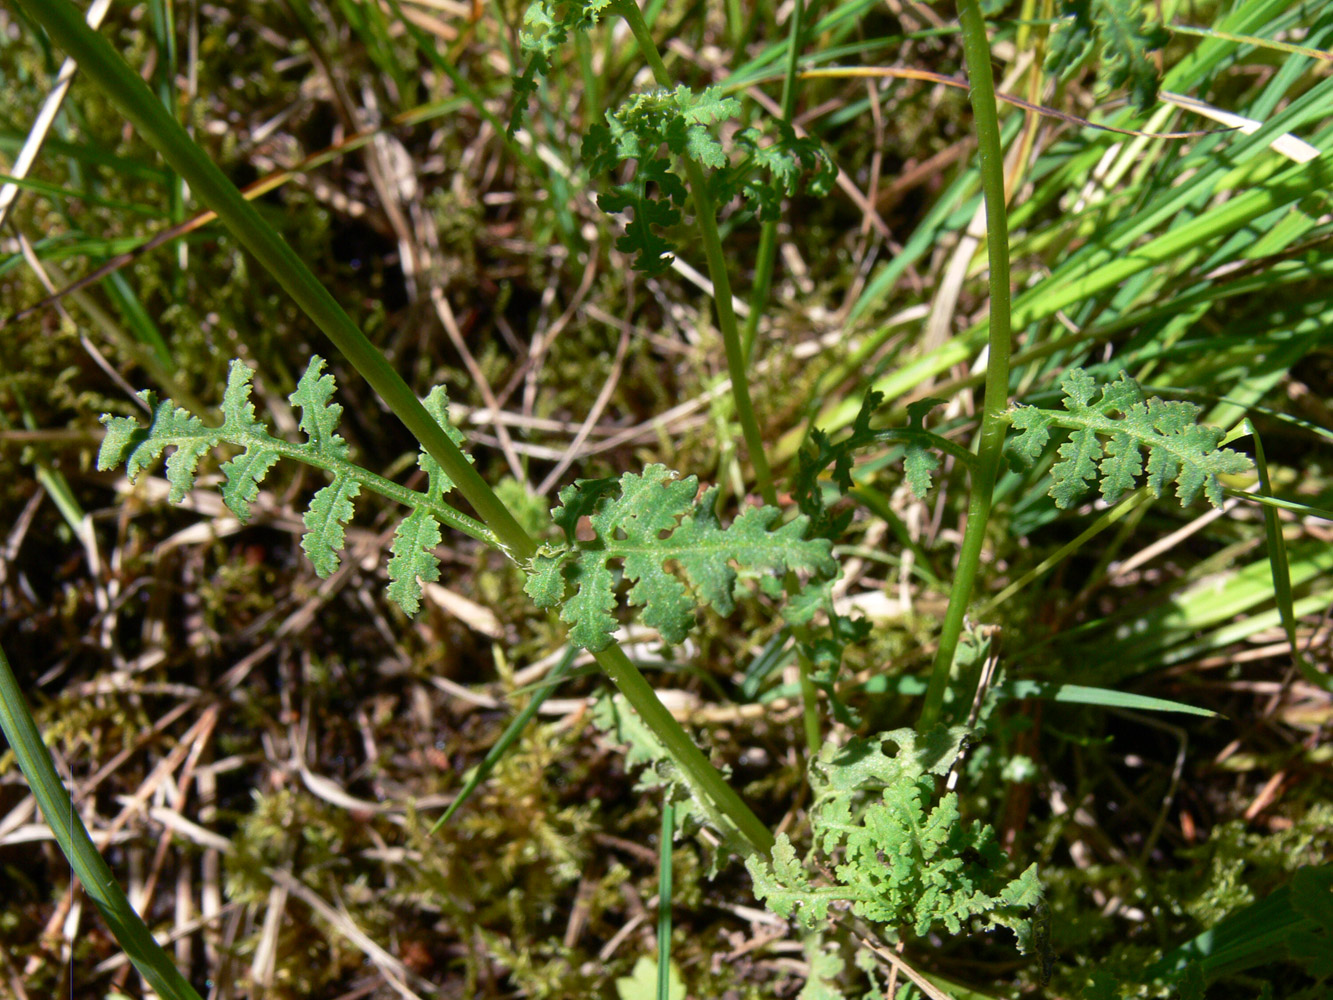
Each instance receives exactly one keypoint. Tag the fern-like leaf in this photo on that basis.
(919, 459)
(652, 128)
(1116, 29)
(412, 559)
(244, 473)
(138, 447)
(319, 415)
(640, 129)
(643, 521)
(1108, 435)
(414, 540)
(547, 25)
(897, 859)
(330, 510)
(768, 172)
(647, 214)
(784, 885)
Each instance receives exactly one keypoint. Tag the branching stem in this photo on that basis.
(113, 76)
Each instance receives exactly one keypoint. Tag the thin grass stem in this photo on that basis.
(667, 838)
(705, 217)
(990, 157)
(768, 234)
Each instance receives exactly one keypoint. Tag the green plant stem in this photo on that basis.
(335, 467)
(690, 758)
(668, 837)
(113, 76)
(814, 736)
(705, 218)
(98, 880)
(768, 234)
(990, 158)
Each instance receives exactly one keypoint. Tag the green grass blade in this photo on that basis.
(1251, 936)
(512, 732)
(1277, 559)
(1303, 509)
(1078, 694)
(89, 198)
(141, 324)
(97, 878)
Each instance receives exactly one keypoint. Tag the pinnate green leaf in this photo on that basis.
(1070, 477)
(329, 511)
(414, 540)
(238, 411)
(653, 128)
(141, 447)
(244, 473)
(1108, 434)
(412, 557)
(547, 25)
(920, 461)
(769, 171)
(647, 214)
(1035, 427)
(319, 416)
(645, 128)
(783, 884)
(644, 522)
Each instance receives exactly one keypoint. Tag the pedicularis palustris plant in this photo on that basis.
(660, 543)
(883, 843)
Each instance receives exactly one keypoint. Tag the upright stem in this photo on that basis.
(738, 352)
(976, 49)
(668, 837)
(689, 757)
(705, 217)
(768, 235)
(72, 836)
